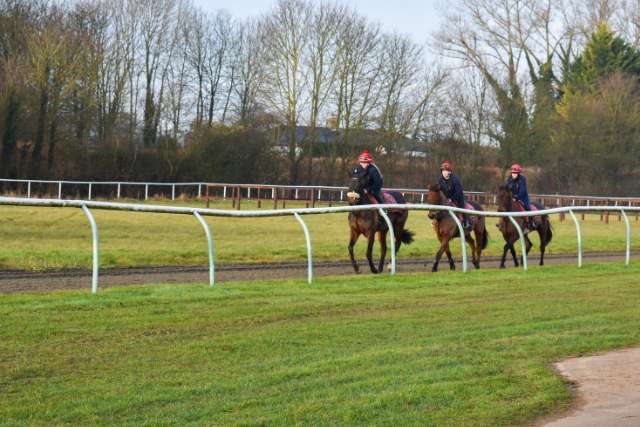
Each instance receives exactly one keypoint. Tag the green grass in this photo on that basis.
(57, 238)
(437, 350)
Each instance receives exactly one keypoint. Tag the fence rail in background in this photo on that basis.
(198, 213)
(310, 195)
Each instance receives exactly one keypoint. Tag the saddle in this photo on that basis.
(388, 200)
(473, 219)
(537, 218)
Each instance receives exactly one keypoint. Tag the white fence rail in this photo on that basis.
(199, 213)
(120, 184)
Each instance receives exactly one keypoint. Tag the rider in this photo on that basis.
(373, 178)
(452, 188)
(519, 190)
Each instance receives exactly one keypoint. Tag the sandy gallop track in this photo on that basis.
(12, 281)
(606, 388)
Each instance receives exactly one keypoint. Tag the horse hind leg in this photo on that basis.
(472, 243)
(371, 238)
(444, 242)
(528, 246)
(382, 238)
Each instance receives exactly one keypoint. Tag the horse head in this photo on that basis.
(436, 197)
(356, 189)
(505, 200)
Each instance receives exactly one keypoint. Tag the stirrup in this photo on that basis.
(498, 226)
(531, 225)
(466, 224)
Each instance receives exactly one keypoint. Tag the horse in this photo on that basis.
(509, 232)
(366, 223)
(446, 228)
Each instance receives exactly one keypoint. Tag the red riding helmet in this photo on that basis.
(365, 157)
(446, 167)
(515, 169)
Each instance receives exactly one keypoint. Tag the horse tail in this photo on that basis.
(485, 238)
(407, 237)
(549, 232)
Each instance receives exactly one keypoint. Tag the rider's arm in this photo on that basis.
(375, 179)
(523, 188)
(457, 187)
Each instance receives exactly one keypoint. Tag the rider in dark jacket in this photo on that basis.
(452, 188)
(373, 178)
(519, 190)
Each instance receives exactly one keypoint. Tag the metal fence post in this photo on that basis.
(89, 191)
(524, 245)
(309, 252)
(146, 191)
(96, 265)
(210, 243)
(579, 238)
(118, 190)
(60, 191)
(393, 241)
(628, 235)
(173, 192)
(464, 242)
(199, 188)
(29, 190)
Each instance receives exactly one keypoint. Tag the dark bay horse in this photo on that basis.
(366, 223)
(509, 231)
(446, 229)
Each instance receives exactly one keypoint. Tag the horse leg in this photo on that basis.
(452, 265)
(371, 238)
(444, 242)
(510, 238)
(542, 232)
(479, 242)
(512, 248)
(382, 238)
(472, 243)
(398, 229)
(352, 241)
(528, 245)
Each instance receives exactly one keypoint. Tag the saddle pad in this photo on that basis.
(537, 219)
(473, 219)
(388, 200)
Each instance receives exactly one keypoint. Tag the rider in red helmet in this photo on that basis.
(519, 190)
(373, 178)
(452, 188)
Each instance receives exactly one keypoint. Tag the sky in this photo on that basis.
(416, 17)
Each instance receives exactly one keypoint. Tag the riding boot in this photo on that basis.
(465, 222)
(531, 225)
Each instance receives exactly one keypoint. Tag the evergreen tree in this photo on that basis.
(604, 54)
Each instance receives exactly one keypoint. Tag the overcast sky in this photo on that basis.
(417, 17)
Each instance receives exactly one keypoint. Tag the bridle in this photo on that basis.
(440, 215)
(356, 195)
(510, 205)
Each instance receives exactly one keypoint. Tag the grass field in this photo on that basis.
(437, 350)
(56, 238)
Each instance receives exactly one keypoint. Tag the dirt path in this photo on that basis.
(12, 281)
(607, 392)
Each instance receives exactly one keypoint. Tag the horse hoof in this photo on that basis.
(502, 267)
(359, 270)
(374, 271)
(452, 267)
(477, 266)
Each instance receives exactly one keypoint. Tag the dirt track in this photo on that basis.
(13, 281)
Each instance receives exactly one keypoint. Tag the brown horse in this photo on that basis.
(366, 223)
(509, 231)
(446, 229)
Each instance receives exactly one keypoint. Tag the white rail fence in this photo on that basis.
(297, 213)
(118, 185)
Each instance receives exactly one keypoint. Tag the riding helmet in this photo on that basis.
(365, 157)
(516, 169)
